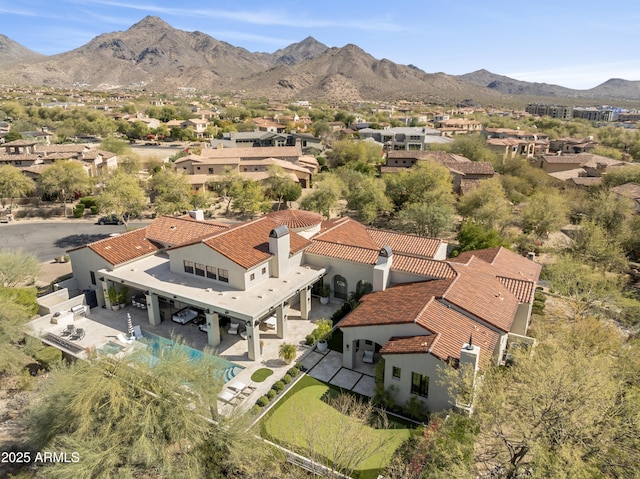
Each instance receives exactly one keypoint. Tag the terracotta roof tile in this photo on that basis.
(422, 266)
(405, 243)
(342, 251)
(478, 291)
(346, 231)
(247, 244)
(408, 344)
(295, 219)
(520, 288)
(506, 263)
(125, 247)
(399, 304)
(173, 231)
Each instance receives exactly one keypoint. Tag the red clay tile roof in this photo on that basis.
(408, 344)
(341, 251)
(346, 231)
(506, 263)
(247, 244)
(399, 304)
(125, 247)
(422, 266)
(405, 243)
(174, 231)
(520, 288)
(454, 330)
(478, 291)
(471, 167)
(295, 219)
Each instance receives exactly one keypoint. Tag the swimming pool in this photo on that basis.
(157, 344)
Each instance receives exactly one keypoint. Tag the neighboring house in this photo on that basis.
(405, 138)
(572, 145)
(631, 191)
(466, 173)
(510, 143)
(554, 111)
(259, 138)
(457, 126)
(583, 169)
(251, 163)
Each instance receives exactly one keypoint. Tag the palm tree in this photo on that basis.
(287, 352)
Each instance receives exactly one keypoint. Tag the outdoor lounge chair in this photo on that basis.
(233, 328)
(137, 332)
(77, 335)
(368, 356)
(122, 339)
(241, 388)
(229, 397)
(69, 330)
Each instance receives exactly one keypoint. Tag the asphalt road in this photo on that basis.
(47, 239)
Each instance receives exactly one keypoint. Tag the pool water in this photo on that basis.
(110, 348)
(157, 344)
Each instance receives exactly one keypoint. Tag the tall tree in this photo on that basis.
(65, 179)
(545, 212)
(426, 219)
(324, 196)
(13, 184)
(427, 182)
(281, 186)
(228, 186)
(487, 205)
(368, 199)
(251, 200)
(129, 417)
(122, 196)
(171, 192)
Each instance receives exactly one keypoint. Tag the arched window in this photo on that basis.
(340, 287)
(362, 288)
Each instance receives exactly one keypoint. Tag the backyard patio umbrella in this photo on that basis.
(130, 330)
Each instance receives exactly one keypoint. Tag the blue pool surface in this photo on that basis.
(156, 343)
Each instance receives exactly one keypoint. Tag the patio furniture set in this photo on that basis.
(72, 333)
(235, 393)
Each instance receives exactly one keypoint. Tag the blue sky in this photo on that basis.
(574, 43)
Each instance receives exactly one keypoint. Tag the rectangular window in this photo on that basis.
(211, 272)
(223, 275)
(420, 385)
(252, 277)
(264, 270)
(395, 372)
(93, 277)
(199, 269)
(188, 266)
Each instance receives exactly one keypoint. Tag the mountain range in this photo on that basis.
(157, 57)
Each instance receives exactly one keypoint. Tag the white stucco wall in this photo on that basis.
(351, 271)
(83, 261)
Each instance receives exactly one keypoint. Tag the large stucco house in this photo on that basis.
(422, 311)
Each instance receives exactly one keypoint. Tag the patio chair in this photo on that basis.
(368, 356)
(233, 329)
(68, 330)
(77, 335)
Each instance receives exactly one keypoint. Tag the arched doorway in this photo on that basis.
(340, 287)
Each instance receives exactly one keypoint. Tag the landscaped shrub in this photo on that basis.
(538, 296)
(78, 211)
(48, 356)
(293, 372)
(255, 409)
(271, 394)
(262, 401)
(89, 201)
(94, 210)
(286, 379)
(278, 386)
(310, 340)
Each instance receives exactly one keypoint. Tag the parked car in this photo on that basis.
(110, 220)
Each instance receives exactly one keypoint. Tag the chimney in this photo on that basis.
(470, 354)
(382, 268)
(197, 214)
(279, 247)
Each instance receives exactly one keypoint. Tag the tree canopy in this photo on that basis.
(65, 179)
(13, 184)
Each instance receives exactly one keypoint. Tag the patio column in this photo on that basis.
(253, 342)
(153, 309)
(281, 320)
(305, 302)
(105, 287)
(349, 351)
(213, 328)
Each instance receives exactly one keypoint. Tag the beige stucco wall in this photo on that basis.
(200, 253)
(521, 320)
(438, 398)
(83, 261)
(351, 271)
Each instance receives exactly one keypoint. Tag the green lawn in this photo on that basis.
(302, 412)
(261, 374)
